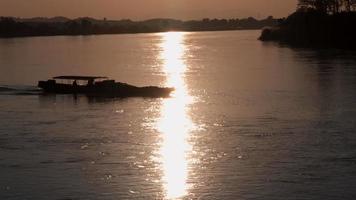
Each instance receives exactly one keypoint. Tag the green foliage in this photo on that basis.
(327, 6)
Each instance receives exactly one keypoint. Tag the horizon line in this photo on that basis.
(139, 20)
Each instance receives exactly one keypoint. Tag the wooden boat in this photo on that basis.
(99, 86)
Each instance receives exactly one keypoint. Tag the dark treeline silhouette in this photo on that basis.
(318, 23)
(328, 6)
(17, 27)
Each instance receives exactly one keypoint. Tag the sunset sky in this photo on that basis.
(145, 9)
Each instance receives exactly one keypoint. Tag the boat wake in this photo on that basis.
(19, 90)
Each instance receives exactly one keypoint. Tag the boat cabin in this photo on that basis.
(79, 80)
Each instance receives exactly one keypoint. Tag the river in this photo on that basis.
(248, 120)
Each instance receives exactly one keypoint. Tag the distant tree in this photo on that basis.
(327, 6)
(319, 5)
(8, 26)
(206, 20)
(347, 5)
(73, 27)
(85, 23)
(353, 5)
(336, 6)
(11, 27)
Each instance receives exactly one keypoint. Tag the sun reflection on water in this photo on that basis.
(174, 123)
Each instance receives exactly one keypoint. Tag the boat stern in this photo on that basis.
(47, 85)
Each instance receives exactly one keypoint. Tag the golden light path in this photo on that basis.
(174, 123)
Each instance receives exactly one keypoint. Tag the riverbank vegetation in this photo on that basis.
(17, 27)
(318, 23)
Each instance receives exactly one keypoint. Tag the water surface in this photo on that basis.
(248, 120)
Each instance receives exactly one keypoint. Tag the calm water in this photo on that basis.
(248, 120)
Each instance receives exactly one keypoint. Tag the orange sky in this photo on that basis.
(144, 9)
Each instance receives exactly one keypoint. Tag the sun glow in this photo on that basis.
(174, 123)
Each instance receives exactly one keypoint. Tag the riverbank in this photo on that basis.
(315, 29)
(17, 27)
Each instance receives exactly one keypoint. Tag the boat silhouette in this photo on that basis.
(99, 86)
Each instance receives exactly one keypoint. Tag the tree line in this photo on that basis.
(318, 23)
(15, 27)
(328, 6)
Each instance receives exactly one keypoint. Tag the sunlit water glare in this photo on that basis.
(174, 123)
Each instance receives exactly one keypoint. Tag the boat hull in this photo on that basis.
(105, 88)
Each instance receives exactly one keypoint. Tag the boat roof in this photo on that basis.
(84, 78)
